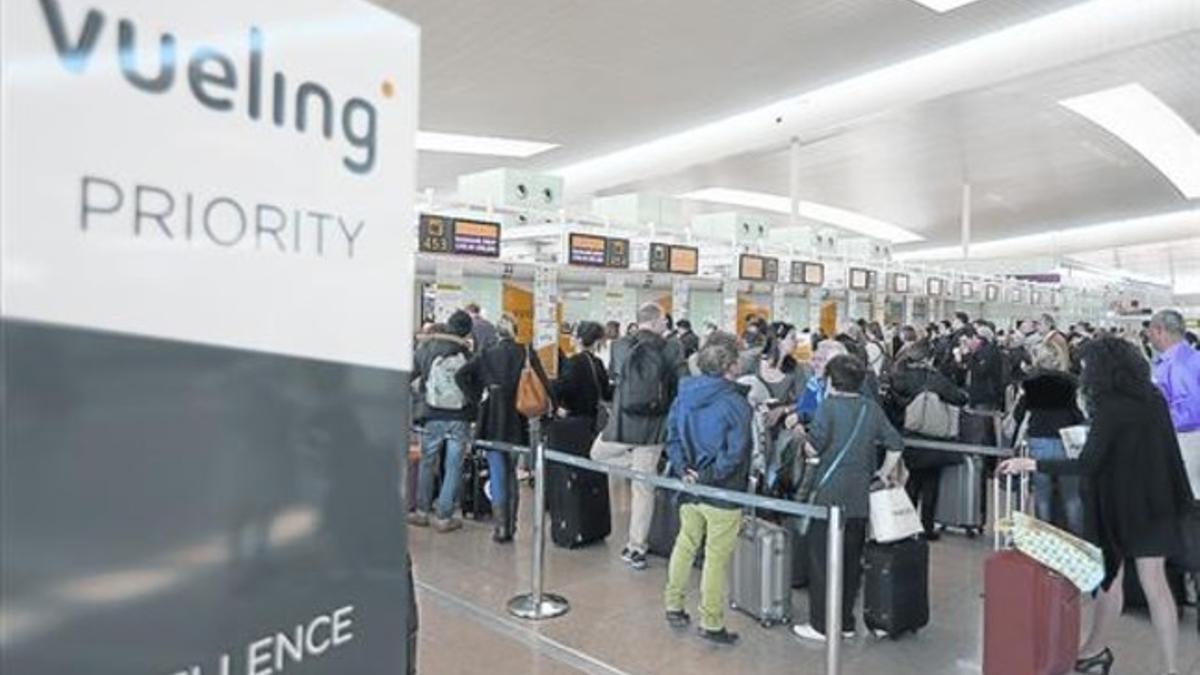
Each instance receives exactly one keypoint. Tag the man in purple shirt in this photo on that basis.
(1177, 374)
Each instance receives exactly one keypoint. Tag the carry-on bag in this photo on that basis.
(1030, 613)
(960, 496)
(580, 514)
(761, 573)
(476, 499)
(664, 524)
(799, 557)
(896, 587)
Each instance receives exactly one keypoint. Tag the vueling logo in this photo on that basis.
(214, 81)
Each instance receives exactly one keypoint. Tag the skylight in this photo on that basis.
(832, 215)
(1149, 126)
(944, 5)
(433, 141)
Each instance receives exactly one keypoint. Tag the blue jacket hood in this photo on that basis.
(708, 431)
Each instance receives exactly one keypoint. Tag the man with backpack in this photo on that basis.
(646, 368)
(443, 411)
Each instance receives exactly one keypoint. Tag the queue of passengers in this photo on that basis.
(662, 389)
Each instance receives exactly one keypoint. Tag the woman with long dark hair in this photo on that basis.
(1139, 492)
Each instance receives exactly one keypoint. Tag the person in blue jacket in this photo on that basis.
(708, 443)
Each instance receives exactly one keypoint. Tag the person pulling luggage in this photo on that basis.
(708, 443)
(845, 434)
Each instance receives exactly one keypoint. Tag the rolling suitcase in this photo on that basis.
(799, 558)
(664, 524)
(580, 515)
(761, 573)
(1030, 615)
(476, 500)
(960, 496)
(896, 587)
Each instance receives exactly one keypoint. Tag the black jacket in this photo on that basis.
(637, 429)
(428, 349)
(985, 376)
(493, 376)
(1136, 474)
(908, 380)
(582, 385)
(1049, 398)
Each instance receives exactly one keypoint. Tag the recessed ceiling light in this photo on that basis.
(847, 220)
(433, 141)
(944, 5)
(1146, 124)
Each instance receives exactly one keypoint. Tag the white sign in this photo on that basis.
(228, 173)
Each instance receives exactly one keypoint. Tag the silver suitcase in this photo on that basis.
(761, 573)
(960, 496)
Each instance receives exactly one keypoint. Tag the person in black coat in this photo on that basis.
(1139, 491)
(494, 376)
(583, 385)
(913, 374)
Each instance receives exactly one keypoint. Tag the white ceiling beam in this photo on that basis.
(1078, 33)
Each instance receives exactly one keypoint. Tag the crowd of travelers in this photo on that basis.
(840, 413)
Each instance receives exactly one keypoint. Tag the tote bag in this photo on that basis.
(893, 516)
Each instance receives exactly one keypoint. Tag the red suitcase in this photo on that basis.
(1030, 615)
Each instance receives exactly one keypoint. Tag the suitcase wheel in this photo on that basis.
(974, 532)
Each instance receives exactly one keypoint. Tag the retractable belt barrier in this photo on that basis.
(538, 604)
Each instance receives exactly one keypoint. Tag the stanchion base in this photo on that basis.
(523, 607)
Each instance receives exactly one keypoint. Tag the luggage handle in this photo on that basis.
(1000, 542)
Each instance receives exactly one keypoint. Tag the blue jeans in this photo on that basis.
(1068, 486)
(454, 433)
(502, 475)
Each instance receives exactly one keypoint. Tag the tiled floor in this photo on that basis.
(615, 625)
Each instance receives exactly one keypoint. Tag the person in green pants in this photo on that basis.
(709, 443)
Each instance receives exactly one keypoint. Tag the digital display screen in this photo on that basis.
(758, 268)
(860, 279)
(1016, 296)
(669, 258)
(991, 292)
(899, 283)
(439, 234)
(808, 273)
(587, 250)
(935, 287)
(617, 253)
(966, 289)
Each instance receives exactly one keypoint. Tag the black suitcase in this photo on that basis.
(896, 587)
(476, 504)
(799, 556)
(580, 515)
(664, 524)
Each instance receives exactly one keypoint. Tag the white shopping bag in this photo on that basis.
(1074, 438)
(893, 516)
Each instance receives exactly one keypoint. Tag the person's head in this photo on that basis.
(846, 373)
(651, 317)
(874, 331)
(985, 333)
(908, 335)
(1191, 338)
(506, 327)
(719, 356)
(1047, 324)
(1166, 330)
(631, 329)
(960, 319)
(427, 328)
(933, 330)
(684, 326)
(826, 350)
(1045, 358)
(612, 330)
(472, 308)
(589, 334)
(946, 327)
(459, 324)
(1114, 366)
(918, 353)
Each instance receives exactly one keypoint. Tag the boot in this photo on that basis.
(502, 534)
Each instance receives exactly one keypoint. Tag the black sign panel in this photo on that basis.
(591, 250)
(860, 279)
(758, 268)
(900, 283)
(935, 287)
(673, 259)
(459, 236)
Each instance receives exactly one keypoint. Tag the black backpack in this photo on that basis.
(645, 389)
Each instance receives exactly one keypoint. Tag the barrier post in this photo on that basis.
(833, 592)
(537, 604)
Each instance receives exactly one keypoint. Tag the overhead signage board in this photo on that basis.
(758, 268)
(674, 259)
(900, 282)
(808, 273)
(935, 287)
(966, 290)
(590, 250)
(860, 279)
(991, 293)
(458, 236)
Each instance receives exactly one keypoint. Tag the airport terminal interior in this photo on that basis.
(607, 338)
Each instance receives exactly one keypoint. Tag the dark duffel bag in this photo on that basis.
(896, 587)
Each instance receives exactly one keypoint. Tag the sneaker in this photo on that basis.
(637, 560)
(418, 519)
(807, 632)
(626, 555)
(677, 618)
(444, 525)
(721, 637)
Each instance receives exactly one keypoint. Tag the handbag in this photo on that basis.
(893, 516)
(1079, 561)
(803, 523)
(602, 411)
(533, 400)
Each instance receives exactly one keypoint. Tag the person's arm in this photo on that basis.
(1091, 459)
(469, 379)
(606, 388)
(674, 446)
(733, 451)
(946, 390)
(820, 429)
(564, 387)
